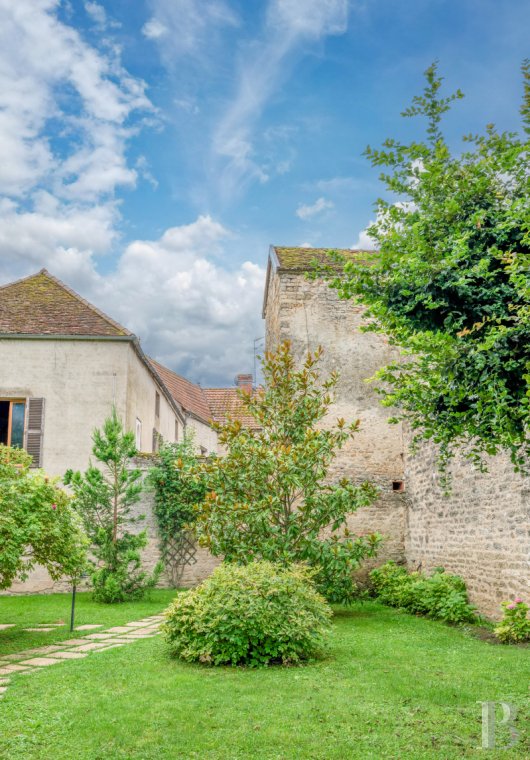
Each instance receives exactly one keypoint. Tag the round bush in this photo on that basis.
(255, 614)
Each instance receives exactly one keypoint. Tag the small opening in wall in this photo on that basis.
(398, 485)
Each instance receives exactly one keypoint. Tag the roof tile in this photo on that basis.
(43, 305)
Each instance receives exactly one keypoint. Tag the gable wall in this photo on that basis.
(79, 380)
(309, 314)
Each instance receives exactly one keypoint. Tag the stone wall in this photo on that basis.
(310, 314)
(479, 530)
(39, 582)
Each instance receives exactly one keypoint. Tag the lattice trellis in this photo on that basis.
(179, 552)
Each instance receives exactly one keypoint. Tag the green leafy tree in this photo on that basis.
(104, 498)
(450, 282)
(37, 523)
(269, 497)
(178, 486)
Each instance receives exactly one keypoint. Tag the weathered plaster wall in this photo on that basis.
(479, 530)
(203, 435)
(80, 380)
(140, 403)
(310, 314)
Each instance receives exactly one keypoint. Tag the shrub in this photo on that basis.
(254, 614)
(514, 627)
(37, 523)
(440, 596)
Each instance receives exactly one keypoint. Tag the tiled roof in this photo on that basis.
(43, 305)
(191, 397)
(225, 402)
(301, 259)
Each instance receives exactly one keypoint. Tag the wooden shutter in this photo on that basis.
(35, 429)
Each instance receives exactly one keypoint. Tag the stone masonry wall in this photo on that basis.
(39, 582)
(310, 314)
(479, 530)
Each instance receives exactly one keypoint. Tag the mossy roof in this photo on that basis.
(43, 305)
(301, 259)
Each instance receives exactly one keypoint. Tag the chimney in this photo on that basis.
(245, 382)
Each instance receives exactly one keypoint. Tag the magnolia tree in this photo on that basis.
(451, 280)
(37, 523)
(104, 496)
(269, 497)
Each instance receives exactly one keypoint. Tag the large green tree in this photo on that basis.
(450, 282)
(37, 523)
(269, 497)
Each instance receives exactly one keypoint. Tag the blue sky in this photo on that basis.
(150, 151)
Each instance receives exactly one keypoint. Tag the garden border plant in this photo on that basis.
(256, 614)
(440, 596)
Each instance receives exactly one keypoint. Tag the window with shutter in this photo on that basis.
(35, 429)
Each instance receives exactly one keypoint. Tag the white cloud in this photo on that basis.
(187, 27)
(307, 212)
(364, 242)
(154, 29)
(290, 24)
(97, 13)
(309, 18)
(40, 58)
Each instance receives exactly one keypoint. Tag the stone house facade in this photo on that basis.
(481, 529)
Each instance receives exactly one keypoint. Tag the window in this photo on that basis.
(176, 430)
(157, 404)
(138, 434)
(398, 486)
(12, 417)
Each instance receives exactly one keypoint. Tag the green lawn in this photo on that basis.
(394, 686)
(29, 611)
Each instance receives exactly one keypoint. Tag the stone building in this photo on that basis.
(481, 529)
(309, 314)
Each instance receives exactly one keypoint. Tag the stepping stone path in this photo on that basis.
(30, 660)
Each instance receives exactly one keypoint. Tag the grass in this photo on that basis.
(29, 611)
(394, 686)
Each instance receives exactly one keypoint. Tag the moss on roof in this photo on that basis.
(301, 259)
(43, 305)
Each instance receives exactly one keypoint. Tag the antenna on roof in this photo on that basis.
(256, 341)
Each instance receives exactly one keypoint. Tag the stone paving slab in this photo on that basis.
(40, 662)
(88, 627)
(89, 647)
(39, 630)
(99, 636)
(6, 625)
(8, 669)
(119, 629)
(70, 655)
(75, 642)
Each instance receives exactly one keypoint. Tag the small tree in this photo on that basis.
(37, 523)
(269, 497)
(178, 485)
(104, 498)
